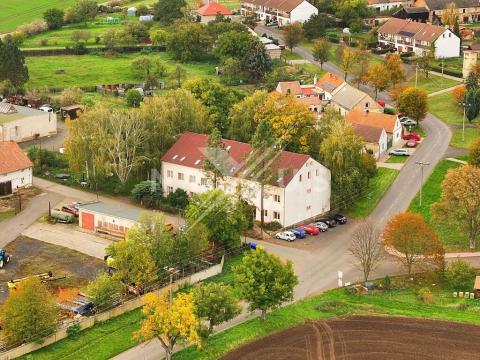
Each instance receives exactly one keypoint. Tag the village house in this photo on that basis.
(375, 139)
(470, 59)
(385, 5)
(347, 98)
(419, 38)
(273, 50)
(283, 11)
(21, 123)
(209, 12)
(301, 192)
(15, 168)
(328, 85)
(468, 10)
(418, 14)
(390, 123)
(306, 95)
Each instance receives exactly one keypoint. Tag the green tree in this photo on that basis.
(216, 164)
(137, 30)
(396, 72)
(216, 303)
(292, 34)
(105, 291)
(84, 10)
(219, 213)
(321, 51)
(232, 72)
(352, 12)
(178, 199)
(29, 313)
(158, 36)
(460, 275)
(166, 11)
(189, 42)
(472, 104)
(133, 98)
(343, 153)
(424, 61)
(256, 61)
(474, 153)
(232, 44)
(54, 18)
(378, 77)
(316, 26)
(413, 102)
(148, 68)
(264, 281)
(262, 163)
(147, 193)
(242, 116)
(13, 66)
(178, 74)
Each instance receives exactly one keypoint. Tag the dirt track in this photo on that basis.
(367, 338)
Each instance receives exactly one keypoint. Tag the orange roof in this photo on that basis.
(12, 158)
(309, 101)
(329, 82)
(289, 87)
(212, 9)
(375, 119)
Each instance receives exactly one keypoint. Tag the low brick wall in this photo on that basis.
(109, 314)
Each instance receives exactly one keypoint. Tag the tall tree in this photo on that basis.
(264, 281)
(460, 202)
(409, 234)
(84, 11)
(292, 34)
(232, 44)
(366, 248)
(105, 291)
(216, 303)
(361, 68)
(29, 313)
(13, 66)
(424, 61)
(377, 76)
(53, 18)
(348, 57)
(316, 26)
(189, 41)
(472, 104)
(262, 163)
(474, 153)
(170, 323)
(178, 74)
(413, 102)
(242, 116)
(256, 61)
(321, 51)
(216, 161)
(166, 11)
(394, 64)
(450, 15)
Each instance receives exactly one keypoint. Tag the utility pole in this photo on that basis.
(463, 121)
(416, 75)
(422, 165)
(442, 73)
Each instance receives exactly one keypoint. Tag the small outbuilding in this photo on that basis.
(132, 11)
(70, 111)
(15, 168)
(146, 18)
(209, 12)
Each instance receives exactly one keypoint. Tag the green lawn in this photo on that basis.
(377, 187)
(90, 70)
(444, 107)
(396, 159)
(312, 69)
(455, 64)
(432, 190)
(291, 55)
(431, 84)
(6, 215)
(471, 135)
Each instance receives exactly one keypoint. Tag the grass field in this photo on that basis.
(377, 187)
(90, 70)
(432, 190)
(471, 134)
(444, 107)
(396, 159)
(431, 84)
(291, 55)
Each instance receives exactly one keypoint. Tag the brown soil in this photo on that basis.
(367, 338)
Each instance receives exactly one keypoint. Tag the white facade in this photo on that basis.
(302, 12)
(306, 195)
(19, 179)
(387, 5)
(447, 45)
(27, 124)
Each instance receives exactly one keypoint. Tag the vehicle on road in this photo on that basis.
(4, 258)
(321, 226)
(399, 152)
(311, 229)
(412, 136)
(339, 218)
(299, 233)
(411, 143)
(330, 222)
(286, 235)
(46, 108)
(406, 121)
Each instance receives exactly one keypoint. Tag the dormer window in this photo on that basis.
(174, 157)
(183, 158)
(197, 162)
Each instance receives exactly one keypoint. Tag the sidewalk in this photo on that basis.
(454, 255)
(394, 166)
(443, 91)
(446, 76)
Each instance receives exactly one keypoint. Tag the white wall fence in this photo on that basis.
(127, 306)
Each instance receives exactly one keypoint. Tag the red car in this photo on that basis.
(411, 143)
(311, 229)
(412, 136)
(70, 209)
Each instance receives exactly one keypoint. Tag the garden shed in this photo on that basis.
(132, 11)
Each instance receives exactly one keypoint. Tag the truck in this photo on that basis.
(62, 216)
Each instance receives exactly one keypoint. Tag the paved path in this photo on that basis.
(443, 91)
(457, 160)
(395, 166)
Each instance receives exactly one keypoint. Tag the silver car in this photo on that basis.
(399, 152)
(321, 226)
(286, 235)
(406, 121)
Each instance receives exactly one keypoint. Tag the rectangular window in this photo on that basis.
(180, 176)
(169, 189)
(317, 172)
(308, 207)
(169, 173)
(265, 213)
(276, 198)
(192, 178)
(309, 191)
(308, 175)
(203, 181)
(276, 215)
(300, 178)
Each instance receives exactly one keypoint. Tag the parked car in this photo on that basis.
(339, 219)
(286, 235)
(411, 143)
(299, 233)
(412, 136)
(70, 209)
(46, 108)
(399, 152)
(406, 121)
(62, 176)
(330, 222)
(311, 229)
(321, 226)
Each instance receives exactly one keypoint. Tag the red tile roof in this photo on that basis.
(212, 9)
(12, 158)
(375, 119)
(329, 82)
(190, 148)
(412, 29)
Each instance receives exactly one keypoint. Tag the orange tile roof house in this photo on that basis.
(419, 38)
(302, 190)
(209, 12)
(375, 138)
(15, 168)
(307, 95)
(282, 11)
(329, 84)
(390, 123)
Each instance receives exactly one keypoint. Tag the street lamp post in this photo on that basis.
(463, 121)
(422, 165)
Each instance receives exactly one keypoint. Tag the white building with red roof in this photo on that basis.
(301, 192)
(209, 12)
(283, 11)
(15, 168)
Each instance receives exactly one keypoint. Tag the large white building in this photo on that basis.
(15, 168)
(412, 36)
(21, 123)
(301, 192)
(385, 5)
(283, 11)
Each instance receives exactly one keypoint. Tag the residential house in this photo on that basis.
(385, 5)
(273, 50)
(209, 12)
(390, 123)
(375, 138)
(468, 10)
(307, 95)
(283, 11)
(347, 98)
(418, 14)
(15, 168)
(411, 36)
(301, 192)
(21, 123)
(328, 85)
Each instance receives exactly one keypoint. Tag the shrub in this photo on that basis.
(74, 330)
(53, 18)
(462, 306)
(148, 193)
(426, 295)
(333, 306)
(133, 98)
(460, 275)
(33, 28)
(46, 159)
(386, 282)
(44, 42)
(18, 37)
(389, 111)
(272, 226)
(178, 199)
